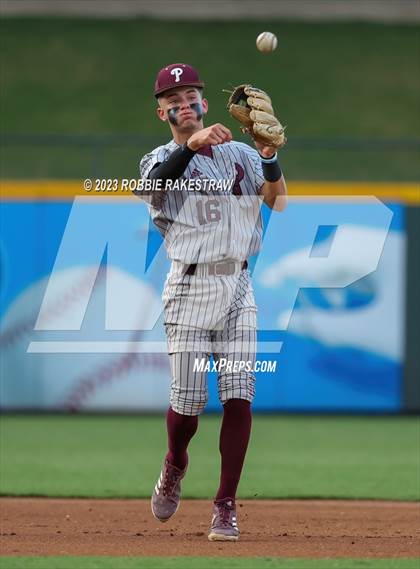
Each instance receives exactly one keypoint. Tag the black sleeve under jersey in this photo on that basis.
(174, 166)
(170, 169)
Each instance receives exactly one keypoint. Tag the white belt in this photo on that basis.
(218, 269)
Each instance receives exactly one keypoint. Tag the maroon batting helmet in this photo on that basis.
(176, 75)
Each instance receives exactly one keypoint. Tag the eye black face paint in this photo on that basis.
(197, 107)
(172, 115)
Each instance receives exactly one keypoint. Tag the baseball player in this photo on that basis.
(209, 305)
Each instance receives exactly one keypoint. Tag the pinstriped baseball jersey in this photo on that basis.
(212, 224)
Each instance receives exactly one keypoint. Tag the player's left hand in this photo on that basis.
(264, 150)
(253, 109)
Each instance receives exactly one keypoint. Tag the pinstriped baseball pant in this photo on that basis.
(224, 313)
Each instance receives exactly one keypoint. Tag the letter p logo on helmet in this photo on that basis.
(177, 71)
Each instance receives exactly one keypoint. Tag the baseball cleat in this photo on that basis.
(223, 524)
(167, 492)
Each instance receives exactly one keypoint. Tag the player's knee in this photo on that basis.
(237, 387)
(188, 402)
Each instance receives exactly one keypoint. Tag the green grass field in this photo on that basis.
(95, 77)
(203, 563)
(289, 457)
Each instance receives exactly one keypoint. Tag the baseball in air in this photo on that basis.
(266, 42)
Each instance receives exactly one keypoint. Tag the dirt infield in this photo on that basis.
(38, 526)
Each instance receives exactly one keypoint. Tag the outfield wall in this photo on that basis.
(343, 349)
(310, 10)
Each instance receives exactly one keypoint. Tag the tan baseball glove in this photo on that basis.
(252, 107)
